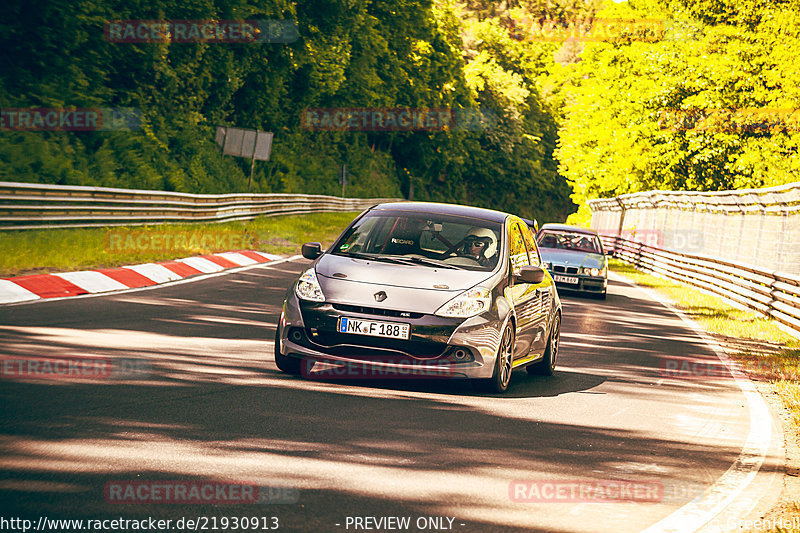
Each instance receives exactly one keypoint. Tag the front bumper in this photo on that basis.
(437, 346)
(589, 284)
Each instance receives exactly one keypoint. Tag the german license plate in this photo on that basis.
(390, 330)
(565, 279)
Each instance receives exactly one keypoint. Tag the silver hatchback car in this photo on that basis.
(424, 290)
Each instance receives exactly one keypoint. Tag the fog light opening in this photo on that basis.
(460, 354)
(296, 335)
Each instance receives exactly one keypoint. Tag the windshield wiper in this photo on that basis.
(401, 259)
(356, 255)
(422, 260)
(375, 257)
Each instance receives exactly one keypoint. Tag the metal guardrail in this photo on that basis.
(35, 206)
(773, 294)
(775, 200)
(752, 226)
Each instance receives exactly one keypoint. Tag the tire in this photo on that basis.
(547, 366)
(501, 376)
(600, 295)
(290, 365)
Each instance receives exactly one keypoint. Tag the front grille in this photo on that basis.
(428, 339)
(565, 270)
(361, 347)
(335, 343)
(376, 311)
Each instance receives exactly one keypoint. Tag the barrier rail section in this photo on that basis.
(758, 223)
(32, 206)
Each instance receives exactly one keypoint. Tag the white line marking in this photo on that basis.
(700, 511)
(271, 257)
(239, 259)
(10, 292)
(157, 273)
(202, 264)
(92, 281)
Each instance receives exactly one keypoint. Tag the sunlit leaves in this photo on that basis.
(705, 109)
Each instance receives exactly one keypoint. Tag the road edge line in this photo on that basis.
(701, 511)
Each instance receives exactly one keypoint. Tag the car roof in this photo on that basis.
(444, 209)
(565, 227)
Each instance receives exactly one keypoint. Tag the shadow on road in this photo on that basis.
(212, 406)
(522, 385)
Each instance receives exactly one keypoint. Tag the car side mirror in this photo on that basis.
(530, 274)
(311, 250)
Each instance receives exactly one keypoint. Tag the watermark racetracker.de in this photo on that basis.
(588, 29)
(375, 369)
(201, 31)
(585, 491)
(604, 491)
(132, 241)
(70, 119)
(730, 120)
(197, 492)
(697, 368)
(684, 240)
(73, 368)
(397, 119)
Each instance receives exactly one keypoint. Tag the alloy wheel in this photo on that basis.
(504, 354)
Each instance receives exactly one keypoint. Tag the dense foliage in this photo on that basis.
(350, 53)
(705, 105)
(711, 105)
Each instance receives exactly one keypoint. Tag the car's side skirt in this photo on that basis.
(531, 357)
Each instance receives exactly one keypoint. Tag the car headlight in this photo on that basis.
(308, 288)
(594, 271)
(548, 266)
(469, 303)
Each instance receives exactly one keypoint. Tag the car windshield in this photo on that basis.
(425, 239)
(566, 240)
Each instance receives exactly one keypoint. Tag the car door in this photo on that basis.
(544, 294)
(523, 296)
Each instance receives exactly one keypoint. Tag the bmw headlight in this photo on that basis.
(594, 271)
(308, 288)
(469, 303)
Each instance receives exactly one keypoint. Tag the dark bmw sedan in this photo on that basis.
(424, 289)
(576, 258)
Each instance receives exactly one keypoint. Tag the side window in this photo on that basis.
(516, 244)
(530, 244)
(358, 240)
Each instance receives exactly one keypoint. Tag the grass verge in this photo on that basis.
(63, 250)
(713, 313)
(769, 356)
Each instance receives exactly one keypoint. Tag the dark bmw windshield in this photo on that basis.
(425, 239)
(565, 240)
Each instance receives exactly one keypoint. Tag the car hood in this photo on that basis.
(572, 258)
(416, 288)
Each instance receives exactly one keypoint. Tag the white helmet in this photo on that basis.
(484, 235)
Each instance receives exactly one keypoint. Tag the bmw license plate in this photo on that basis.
(565, 279)
(390, 330)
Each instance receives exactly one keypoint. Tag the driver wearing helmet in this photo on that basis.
(480, 244)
